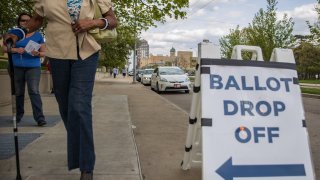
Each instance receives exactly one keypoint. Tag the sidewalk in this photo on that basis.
(45, 157)
(160, 129)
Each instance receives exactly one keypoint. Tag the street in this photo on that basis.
(180, 99)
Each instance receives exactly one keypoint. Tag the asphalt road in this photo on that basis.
(180, 99)
(312, 113)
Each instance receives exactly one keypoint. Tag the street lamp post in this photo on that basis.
(134, 60)
(135, 44)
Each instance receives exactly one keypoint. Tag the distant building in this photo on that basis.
(159, 60)
(142, 52)
(172, 52)
(183, 59)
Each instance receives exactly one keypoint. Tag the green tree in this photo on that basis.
(235, 37)
(134, 17)
(315, 27)
(10, 9)
(115, 53)
(168, 63)
(267, 32)
(307, 58)
(139, 15)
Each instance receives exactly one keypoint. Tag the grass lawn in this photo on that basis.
(310, 90)
(310, 81)
(192, 78)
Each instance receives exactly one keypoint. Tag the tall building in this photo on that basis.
(173, 58)
(142, 52)
(172, 52)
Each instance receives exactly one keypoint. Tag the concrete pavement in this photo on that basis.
(160, 129)
(45, 157)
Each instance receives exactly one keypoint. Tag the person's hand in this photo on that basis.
(19, 50)
(10, 36)
(82, 25)
(35, 53)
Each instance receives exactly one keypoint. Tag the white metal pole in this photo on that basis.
(135, 44)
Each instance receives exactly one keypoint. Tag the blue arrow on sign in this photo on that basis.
(229, 171)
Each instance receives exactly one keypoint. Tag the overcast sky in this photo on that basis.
(212, 19)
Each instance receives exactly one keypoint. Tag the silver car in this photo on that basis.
(146, 76)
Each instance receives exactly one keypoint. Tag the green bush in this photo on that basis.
(1, 51)
(310, 81)
(3, 64)
(192, 79)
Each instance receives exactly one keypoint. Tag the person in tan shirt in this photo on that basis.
(73, 55)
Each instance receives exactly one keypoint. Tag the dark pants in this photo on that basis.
(31, 76)
(73, 82)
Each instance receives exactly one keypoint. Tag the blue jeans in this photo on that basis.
(31, 76)
(73, 82)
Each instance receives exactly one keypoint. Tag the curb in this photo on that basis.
(311, 96)
(310, 85)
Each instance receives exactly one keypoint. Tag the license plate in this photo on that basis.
(177, 85)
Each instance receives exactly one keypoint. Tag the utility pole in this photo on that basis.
(135, 44)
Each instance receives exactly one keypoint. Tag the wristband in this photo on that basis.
(106, 23)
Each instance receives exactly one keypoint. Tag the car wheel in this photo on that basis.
(186, 91)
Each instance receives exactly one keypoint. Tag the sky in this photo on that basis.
(212, 19)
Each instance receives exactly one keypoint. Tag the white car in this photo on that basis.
(146, 76)
(130, 73)
(167, 78)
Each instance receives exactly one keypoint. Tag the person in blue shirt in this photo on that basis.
(27, 70)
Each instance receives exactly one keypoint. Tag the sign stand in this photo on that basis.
(252, 119)
(193, 153)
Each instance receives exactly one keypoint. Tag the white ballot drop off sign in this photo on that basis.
(253, 124)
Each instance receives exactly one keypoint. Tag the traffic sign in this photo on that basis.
(253, 124)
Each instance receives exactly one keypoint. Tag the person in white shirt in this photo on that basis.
(115, 72)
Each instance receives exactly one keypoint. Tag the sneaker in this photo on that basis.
(42, 123)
